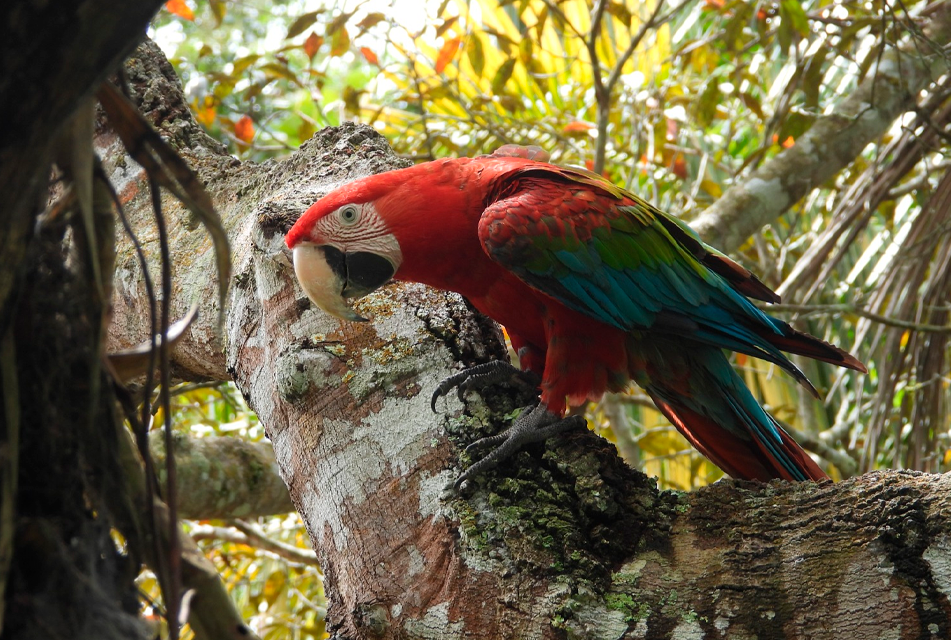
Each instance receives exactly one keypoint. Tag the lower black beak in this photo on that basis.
(360, 271)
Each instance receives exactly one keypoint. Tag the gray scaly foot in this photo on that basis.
(537, 425)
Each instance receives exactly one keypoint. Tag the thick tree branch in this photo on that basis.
(833, 141)
(223, 478)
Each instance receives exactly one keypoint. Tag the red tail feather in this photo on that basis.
(740, 458)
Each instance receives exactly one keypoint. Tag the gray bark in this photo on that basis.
(564, 540)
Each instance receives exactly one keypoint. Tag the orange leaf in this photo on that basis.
(206, 110)
(447, 53)
(244, 129)
(370, 56)
(577, 126)
(180, 9)
(312, 43)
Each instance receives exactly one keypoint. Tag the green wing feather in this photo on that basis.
(604, 252)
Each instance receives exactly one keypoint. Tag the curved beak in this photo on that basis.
(329, 276)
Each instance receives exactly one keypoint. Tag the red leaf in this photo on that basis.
(447, 53)
(672, 129)
(312, 43)
(370, 56)
(244, 129)
(180, 9)
(680, 166)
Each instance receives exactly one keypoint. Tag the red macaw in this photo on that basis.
(594, 286)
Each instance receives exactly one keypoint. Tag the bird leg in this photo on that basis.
(483, 375)
(536, 425)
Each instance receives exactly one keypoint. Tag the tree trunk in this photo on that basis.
(562, 541)
(60, 572)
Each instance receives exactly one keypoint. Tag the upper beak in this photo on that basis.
(329, 276)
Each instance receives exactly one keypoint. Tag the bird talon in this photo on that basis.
(480, 376)
(536, 425)
(481, 443)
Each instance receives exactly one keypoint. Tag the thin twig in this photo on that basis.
(848, 308)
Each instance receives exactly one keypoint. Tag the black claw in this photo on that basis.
(480, 376)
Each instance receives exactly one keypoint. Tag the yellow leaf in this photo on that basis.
(205, 111)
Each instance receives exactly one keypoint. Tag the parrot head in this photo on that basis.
(343, 249)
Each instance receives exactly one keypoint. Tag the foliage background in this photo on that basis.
(674, 102)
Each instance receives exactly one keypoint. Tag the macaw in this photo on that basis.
(594, 286)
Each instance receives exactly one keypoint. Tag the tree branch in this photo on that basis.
(223, 478)
(832, 142)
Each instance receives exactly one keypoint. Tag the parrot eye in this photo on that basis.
(349, 214)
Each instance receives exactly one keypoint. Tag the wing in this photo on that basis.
(608, 254)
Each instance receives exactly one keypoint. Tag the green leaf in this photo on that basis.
(476, 54)
(302, 23)
(371, 20)
(620, 11)
(446, 24)
(338, 22)
(753, 105)
(218, 9)
(340, 42)
(540, 23)
(707, 105)
(243, 63)
(505, 43)
(502, 75)
(792, 11)
(278, 70)
(525, 50)
(812, 77)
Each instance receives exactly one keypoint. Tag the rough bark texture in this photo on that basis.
(564, 540)
(52, 57)
(60, 574)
